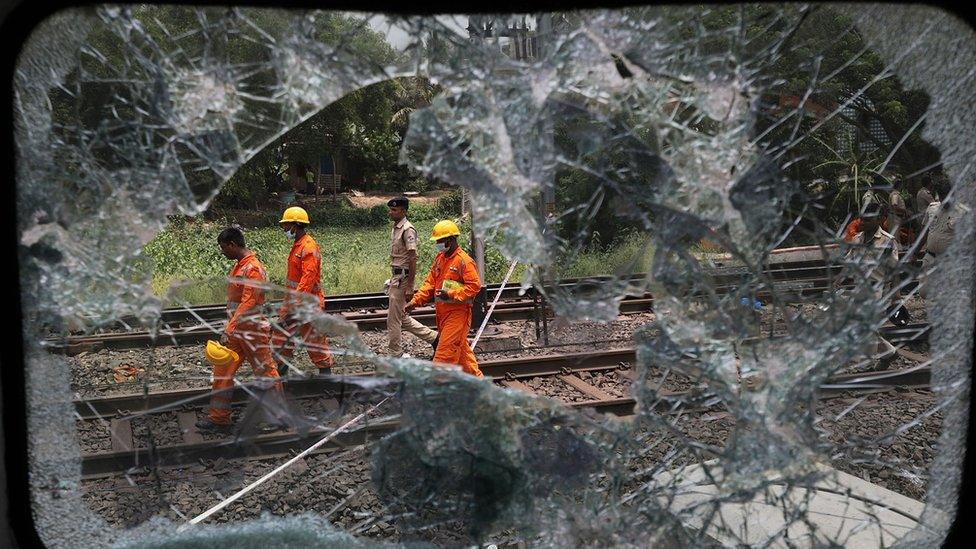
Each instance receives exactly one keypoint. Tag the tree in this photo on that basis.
(876, 124)
(360, 128)
(830, 108)
(411, 93)
(237, 48)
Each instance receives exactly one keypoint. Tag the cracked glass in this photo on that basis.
(742, 311)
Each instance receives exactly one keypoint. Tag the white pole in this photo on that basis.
(203, 516)
(477, 336)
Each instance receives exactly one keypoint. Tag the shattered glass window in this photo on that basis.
(742, 312)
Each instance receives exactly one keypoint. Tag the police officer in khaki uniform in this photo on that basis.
(879, 248)
(403, 260)
(940, 222)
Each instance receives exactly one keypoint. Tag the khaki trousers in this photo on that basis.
(397, 320)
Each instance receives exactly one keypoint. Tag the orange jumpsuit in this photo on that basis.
(454, 313)
(906, 236)
(247, 334)
(304, 266)
(853, 228)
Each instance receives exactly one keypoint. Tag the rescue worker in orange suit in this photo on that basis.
(304, 271)
(247, 332)
(452, 283)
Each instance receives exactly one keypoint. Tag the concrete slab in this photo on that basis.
(496, 339)
(780, 255)
(841, 509)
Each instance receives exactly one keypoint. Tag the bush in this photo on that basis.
(344, 215)
(425, 212)
(187, 249)
(496, 266)
(449, 206)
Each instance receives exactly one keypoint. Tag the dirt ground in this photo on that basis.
(259, 217)
(370, 199)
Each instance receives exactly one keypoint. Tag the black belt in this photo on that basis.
(398, 270)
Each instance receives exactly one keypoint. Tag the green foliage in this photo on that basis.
(857, 172)
(828, 43)
(496, 266)
(425, 212)
(188, 264)
(449, 206)
(253, 182)
(811, 61)
(602, 191)
(344, 215)
(175, 254)
(357, 128)
(626, 254)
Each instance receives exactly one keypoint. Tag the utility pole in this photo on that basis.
(524, 44)
(543, 33)
(478, 249)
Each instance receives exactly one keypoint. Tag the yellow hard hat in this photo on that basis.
(218, 355)
(444, 229)
(295, 215)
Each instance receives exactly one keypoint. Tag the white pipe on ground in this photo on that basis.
(477, 336)
(203, 516)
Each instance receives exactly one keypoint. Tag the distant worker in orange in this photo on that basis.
(852, 230)
(247, 333)
(304, 273)
(453, 283)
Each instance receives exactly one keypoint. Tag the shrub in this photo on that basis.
(449, 206)
(344, 215)
(425, 212)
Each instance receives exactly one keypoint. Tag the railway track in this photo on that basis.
(790, 281)
(802, 263)
(126, 455)
(795, 273)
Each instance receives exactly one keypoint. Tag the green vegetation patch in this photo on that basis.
(354, 259)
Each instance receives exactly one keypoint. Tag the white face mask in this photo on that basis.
(441, 246)
(290, 234)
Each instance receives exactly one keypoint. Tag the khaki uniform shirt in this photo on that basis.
(922, 200)
(403, 238)
(942, 228)
(897, 220)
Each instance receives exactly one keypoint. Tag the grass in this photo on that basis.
(188, 267)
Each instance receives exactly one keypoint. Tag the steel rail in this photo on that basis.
(787, 289)
(723, 274)
(506, 372)
(508, 368)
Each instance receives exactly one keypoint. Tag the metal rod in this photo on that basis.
(511, 269)
(203, 516)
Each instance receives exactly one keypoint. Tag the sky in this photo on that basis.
(399, 39)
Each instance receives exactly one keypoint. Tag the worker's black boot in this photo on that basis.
(208, 426)
(900, 316)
